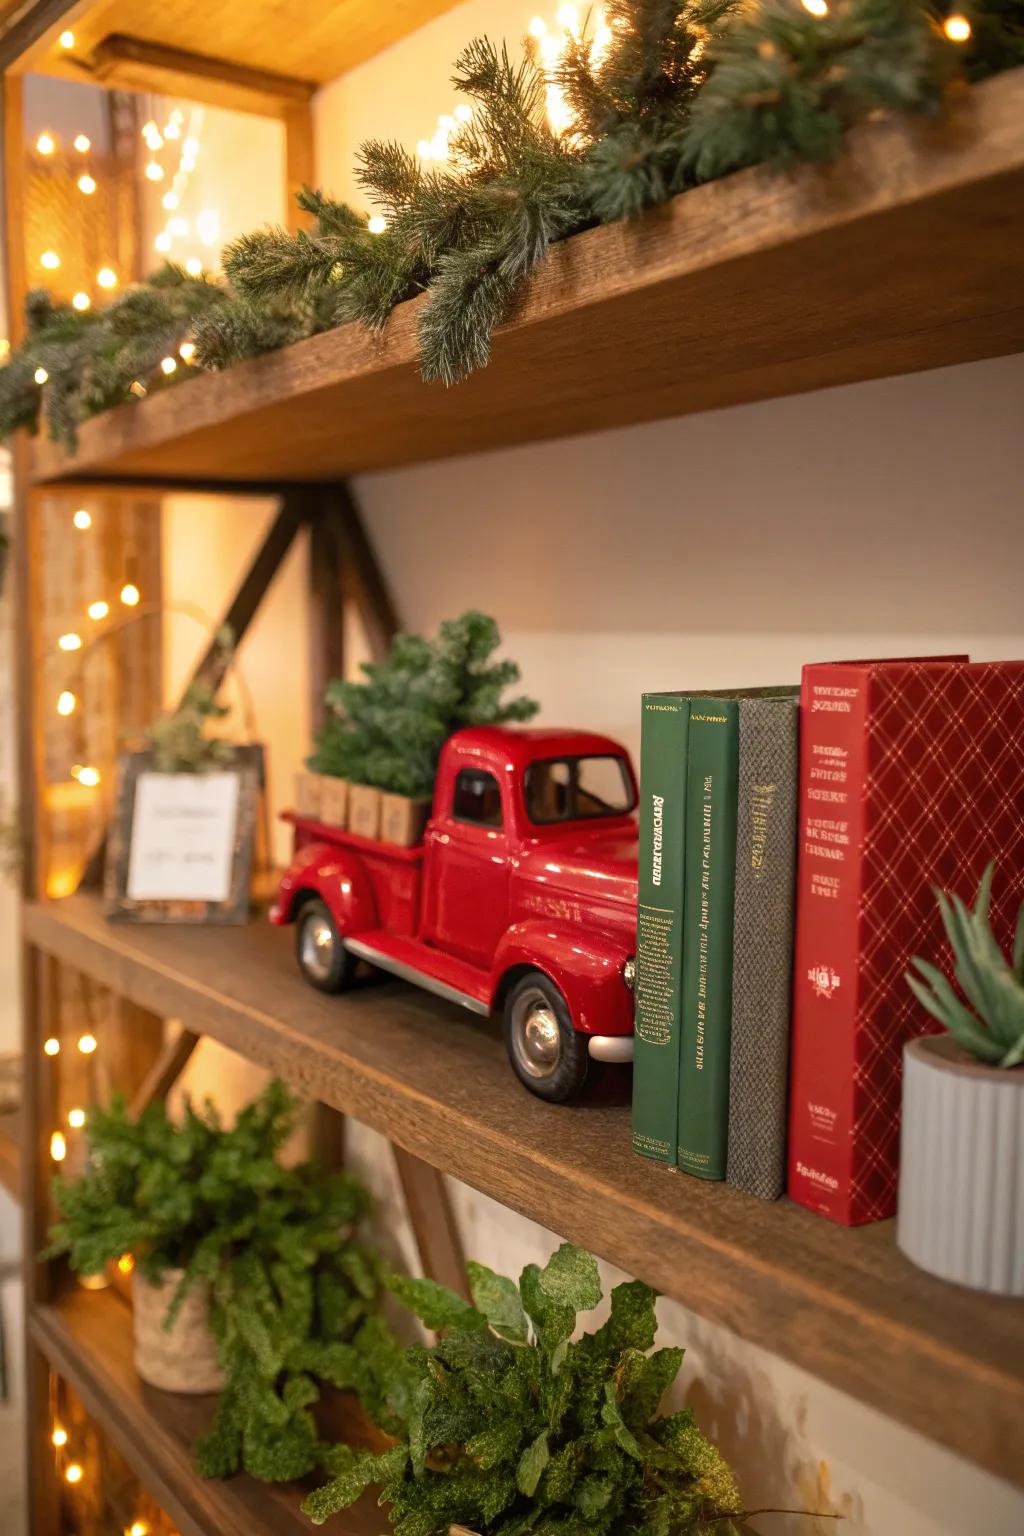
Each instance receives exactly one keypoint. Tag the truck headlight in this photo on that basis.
(629, 972)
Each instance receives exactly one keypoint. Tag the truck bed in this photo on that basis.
(394, 873)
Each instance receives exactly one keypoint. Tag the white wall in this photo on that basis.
(725, 548)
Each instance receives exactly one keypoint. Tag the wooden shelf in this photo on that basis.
(845, 1305)
(903, 256)
(261, 35)
(87, 1338)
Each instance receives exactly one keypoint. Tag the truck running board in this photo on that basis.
(406, 972)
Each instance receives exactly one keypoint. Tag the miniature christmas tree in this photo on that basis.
(388, 731)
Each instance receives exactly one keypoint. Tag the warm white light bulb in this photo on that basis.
(59, 1436)
(73, 1473)
(129, 594)
(170, 201)
(106, 277)
(538, 26)
(58, 1147)
(98, 610)
(187, 351)
(424, 149)
(815, 7)
(208, 226)
(50, 260)
(87, 185)
(90, 777)
(87, 1044)
(168, 365)
(172, 131)
(67, 39)
(82, 519)
(70, 642)
(957, 28)
(83, 143)
(193, 266)
(190, 148)
(81, 300)
(46, 144)
(138, 1528)
(40, 375)
(163, 241)
(463, 112)
(51, 1047)
(76, 1119)
(154, 171)
(66, 703)
(377, 224)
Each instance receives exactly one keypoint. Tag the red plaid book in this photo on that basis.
(911, 775)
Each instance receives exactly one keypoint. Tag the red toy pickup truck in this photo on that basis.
(522, 898)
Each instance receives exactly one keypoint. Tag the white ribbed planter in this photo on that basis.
(961, 1199)
(182, 1358)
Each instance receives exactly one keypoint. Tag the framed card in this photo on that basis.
(181, 846)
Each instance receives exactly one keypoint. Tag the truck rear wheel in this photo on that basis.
(323, 959)
(546, 1053)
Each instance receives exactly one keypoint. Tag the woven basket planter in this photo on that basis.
(182, 1358)
(961, 1202)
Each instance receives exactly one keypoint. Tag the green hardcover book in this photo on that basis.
(659, 945)
(709, 880)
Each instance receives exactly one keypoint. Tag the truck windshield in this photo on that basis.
(572, 788)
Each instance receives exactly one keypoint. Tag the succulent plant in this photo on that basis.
(990, 1024)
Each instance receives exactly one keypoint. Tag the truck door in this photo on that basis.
(468, 869)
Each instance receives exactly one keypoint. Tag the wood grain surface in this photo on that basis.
(87, 1338)
(751, 287)
(843, 1304)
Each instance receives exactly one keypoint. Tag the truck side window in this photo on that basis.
(477, 798)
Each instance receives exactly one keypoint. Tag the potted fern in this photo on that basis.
(961, 1215)
(512, 1425)
(247, 1279)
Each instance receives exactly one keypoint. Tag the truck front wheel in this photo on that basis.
(546, 1053)
(323, 959)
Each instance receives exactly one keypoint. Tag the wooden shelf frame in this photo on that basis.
(87, 1339)
(748, 288)
(844, 1305)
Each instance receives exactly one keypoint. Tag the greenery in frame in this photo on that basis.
(179, 741)
(990, 1024)
(670, 93)
(293, 1294)
(388, 730)
(512, 1426)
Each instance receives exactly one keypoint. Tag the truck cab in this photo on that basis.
(520, 900)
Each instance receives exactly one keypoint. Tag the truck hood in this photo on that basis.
(595, 865)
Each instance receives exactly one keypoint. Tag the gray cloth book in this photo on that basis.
(763, 943)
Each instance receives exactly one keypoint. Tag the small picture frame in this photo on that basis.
(180, 848)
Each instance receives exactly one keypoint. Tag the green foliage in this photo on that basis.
(179, 741)
(991, 1028)
(784, 86)
(293, 1296)
(389, 730)
(93, 359)
(676, 92)
(514, 1427)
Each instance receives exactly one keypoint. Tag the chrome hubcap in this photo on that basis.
(536, 1037)
(317, 946)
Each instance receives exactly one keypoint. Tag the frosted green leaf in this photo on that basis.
(497, 1298)
(571, 1278)
(531, 1464)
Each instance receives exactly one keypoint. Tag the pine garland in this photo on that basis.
(675, 92)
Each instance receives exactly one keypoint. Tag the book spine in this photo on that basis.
(708, 889)
(659, 948)
(831, 824)
(762, 964)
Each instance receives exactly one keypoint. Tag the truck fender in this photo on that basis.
(586, 967)
(337, 877)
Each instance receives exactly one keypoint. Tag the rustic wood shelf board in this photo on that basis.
(844, 1305)
(904, 255)
(87, 1339)
(317, 41)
